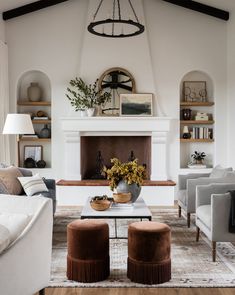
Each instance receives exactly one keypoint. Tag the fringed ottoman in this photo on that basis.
(149, 247)
(88, 251)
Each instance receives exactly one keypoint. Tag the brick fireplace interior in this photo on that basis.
(113, 147)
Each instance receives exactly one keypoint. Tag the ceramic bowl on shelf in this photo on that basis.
(100, 203)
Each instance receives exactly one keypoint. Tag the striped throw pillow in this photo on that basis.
(33, 185)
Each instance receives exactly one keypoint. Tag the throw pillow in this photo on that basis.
(4, 238)
(33, 185)
(15, 223)
(8, 179)
(220, 172)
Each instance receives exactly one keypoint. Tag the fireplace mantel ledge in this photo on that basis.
(145, 124)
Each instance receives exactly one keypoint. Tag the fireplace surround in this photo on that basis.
(77, 130)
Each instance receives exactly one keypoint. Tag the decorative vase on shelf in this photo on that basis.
(133, 188)
(90, 112)
(186, 133)
(45, 132)
(186, 114)
(34, 92)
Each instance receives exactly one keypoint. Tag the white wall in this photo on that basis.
(2, 30)
(231, 89)
(177, 41)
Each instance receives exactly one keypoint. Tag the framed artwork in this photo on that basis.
(136, 104)
(33, 151)
(194, 91)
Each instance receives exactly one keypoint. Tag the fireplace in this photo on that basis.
(147, 137)
(120, 147)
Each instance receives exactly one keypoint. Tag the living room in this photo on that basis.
(177, 67)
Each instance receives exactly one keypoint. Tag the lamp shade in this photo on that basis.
(18, 124)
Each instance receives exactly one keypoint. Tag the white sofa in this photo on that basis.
(25, 263)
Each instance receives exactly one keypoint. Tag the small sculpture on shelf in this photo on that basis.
(186, 133)
(34, 92)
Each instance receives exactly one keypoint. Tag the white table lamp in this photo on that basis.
(18, 124)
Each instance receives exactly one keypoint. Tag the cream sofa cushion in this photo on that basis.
(15, 223)
(33, 185)
(4, 238)
(220, 172)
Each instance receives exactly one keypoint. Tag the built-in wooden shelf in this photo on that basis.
(97, 182)
(41, 121)
(196, 104)
(36, 139)
(196, 140)
(33, 103)
(194, 122)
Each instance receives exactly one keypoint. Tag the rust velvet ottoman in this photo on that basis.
(88, 251)
(149, 247)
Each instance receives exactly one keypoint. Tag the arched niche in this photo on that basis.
(34, 76)
(198, 76)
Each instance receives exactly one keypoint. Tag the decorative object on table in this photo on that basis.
(122, 197)
(45, 132)
(186, 114)
(99, 173)
(33, 151)
(29, 163)
(100, 203)
(18, 124)
(126, 177)
(41, 113)
(198, 158)
(186, 133)
(136, 104)
(115, 81)
(201, 116)
(110, 27)
(84, 96)
(34, 92)
(41, 164)
(194, 91)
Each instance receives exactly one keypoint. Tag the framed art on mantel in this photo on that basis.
(140, 104)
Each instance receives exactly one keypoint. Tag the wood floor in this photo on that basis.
(140, 291)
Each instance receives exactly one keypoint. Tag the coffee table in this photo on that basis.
(137, 210)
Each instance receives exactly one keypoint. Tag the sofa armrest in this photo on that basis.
(182, 179)
(220, 209)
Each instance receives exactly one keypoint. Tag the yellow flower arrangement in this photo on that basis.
(130, 172)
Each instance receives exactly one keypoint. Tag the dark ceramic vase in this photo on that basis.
(45, 132)
(186, 114)
(133, 188)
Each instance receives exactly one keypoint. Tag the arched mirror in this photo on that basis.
(116, 81)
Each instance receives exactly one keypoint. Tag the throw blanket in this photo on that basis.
(231, 227)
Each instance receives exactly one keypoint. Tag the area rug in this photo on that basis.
(191, 261)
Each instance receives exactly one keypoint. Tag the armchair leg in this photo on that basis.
(179, 210)
(42, 292)
(197, 234)
(188, 219)
(213, 251)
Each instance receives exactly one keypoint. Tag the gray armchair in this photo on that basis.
(212, 213)
(187, 189)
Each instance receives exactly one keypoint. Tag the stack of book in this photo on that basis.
(40, 118)
(202, 133)
(29, 136)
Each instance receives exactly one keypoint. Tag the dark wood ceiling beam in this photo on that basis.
(199, 7)
(28, 8)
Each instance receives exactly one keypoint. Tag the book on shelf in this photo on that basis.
(29, 136)
(40, 118)
(201, 133)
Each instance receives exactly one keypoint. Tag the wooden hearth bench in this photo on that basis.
(76, 192)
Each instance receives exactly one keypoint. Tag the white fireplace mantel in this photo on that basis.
(156, 127)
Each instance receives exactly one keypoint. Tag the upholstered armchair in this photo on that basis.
(187, 188)
(212, 213)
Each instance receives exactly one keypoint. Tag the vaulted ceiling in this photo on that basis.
(227, 5)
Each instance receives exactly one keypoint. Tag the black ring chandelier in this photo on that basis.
(99, 27)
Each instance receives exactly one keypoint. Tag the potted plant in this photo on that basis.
(198, 157)
(84, 96)
(126, 177)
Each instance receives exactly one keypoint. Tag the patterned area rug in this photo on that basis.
(191, 261)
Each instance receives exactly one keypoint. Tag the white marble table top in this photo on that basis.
(135, 210)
